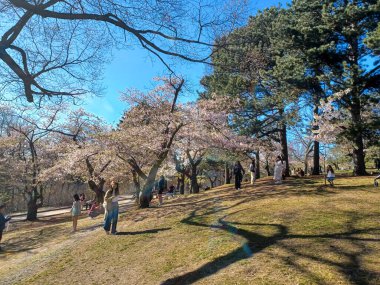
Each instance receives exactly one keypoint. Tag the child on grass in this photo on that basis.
(330, 175)
(94, 210)
(75, 211)
(3, 221)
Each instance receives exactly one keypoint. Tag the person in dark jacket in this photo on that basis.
(3, 221)
(239, 173)
(161, 187)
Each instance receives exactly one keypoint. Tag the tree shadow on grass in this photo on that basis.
(10, 251)
(351, 267)
(152, 231)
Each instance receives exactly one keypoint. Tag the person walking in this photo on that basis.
(330, 176)
(111, 206)
(3, 221)
(76, 211)
(161, 187)
(239, 173)
(278, 170)
(252, 170)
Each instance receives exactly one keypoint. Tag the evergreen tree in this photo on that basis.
(337, 42)
(248, 69)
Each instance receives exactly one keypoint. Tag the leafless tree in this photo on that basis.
(54, 48)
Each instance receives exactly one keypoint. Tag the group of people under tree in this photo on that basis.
(111, 204)
(278, 173)
(111, 197)
(239, 172)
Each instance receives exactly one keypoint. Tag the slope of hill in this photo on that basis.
(301, 232)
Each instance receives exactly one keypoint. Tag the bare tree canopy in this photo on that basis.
(55, 48)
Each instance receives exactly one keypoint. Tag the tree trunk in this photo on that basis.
(136, 185)
(178, 182)
(97, 188)
(306, 164)
(181, 183)
(284, 148)
(32, 210)
(32, 205)
(358, 157)
(145, 194)
(194, 179)
(357, 128)
(316, 153)
(358, 153)
(182, 188)
(227, 177)
(257, 160)
(316, 165)
(267, 166)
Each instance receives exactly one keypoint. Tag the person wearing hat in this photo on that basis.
(3, 221)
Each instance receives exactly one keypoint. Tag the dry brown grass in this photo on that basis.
(300, 232)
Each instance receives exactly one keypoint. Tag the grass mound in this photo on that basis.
(301, 232)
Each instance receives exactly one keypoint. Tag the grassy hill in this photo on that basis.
(301, 232)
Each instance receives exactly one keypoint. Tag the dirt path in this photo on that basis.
(30, 246)
(124, 201)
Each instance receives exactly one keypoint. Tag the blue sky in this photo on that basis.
(136, 68)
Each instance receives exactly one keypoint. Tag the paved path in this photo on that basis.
(124, 202)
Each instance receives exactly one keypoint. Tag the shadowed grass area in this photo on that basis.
(300, 232)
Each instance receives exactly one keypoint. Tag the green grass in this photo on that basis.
(301, 232)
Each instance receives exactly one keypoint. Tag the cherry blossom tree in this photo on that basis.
(27, 150)
(82, 151)
(148, 131)
(336, 126)
(209, 130)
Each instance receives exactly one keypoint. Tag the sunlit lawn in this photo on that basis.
(301, 232)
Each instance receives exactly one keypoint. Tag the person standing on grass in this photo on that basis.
(161, 187)
(82, 198)
(171, 191)
(278, 170)
(330, 176)
(3, 221)
(239, 173)
(111, 215)
(75, 211)
(252, 170)
(375, 183)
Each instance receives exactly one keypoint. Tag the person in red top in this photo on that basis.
(95, 210)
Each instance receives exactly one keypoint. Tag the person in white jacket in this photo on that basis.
(330, 176)
(278, 169)
(252, 171)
